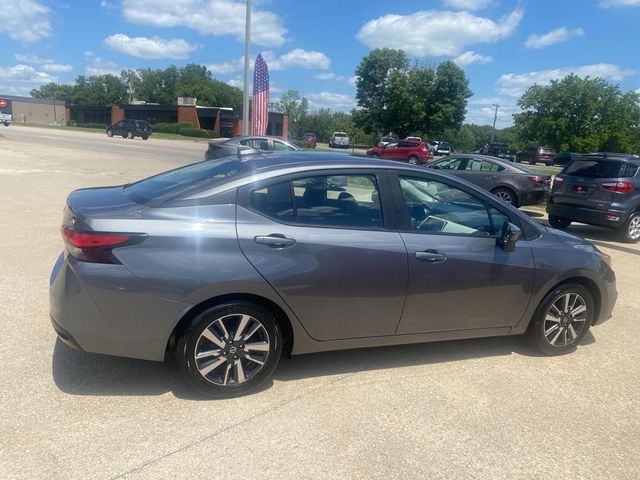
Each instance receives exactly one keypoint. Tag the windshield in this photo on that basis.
(340, 135)
(185, 180)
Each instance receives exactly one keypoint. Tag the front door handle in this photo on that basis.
(431, 256)
(275, 240)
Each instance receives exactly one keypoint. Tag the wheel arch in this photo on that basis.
(279, 314)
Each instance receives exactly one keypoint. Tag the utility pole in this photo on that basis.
(247, 52)
(495, 117)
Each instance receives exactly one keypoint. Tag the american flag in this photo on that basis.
(260, 105)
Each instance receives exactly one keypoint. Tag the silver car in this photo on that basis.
(230, 265)
(246, 146)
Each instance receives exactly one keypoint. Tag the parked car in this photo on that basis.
(535, 155)
(245, 145)
(310, 138)
(412, 152)
(511, 183)
(228, 265)
(6, 119)
(130, 129)
(386, 140)
(339, 139)
(443, 149)
(598, 189)
(495, 149)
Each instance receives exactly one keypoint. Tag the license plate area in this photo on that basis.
(579, 189)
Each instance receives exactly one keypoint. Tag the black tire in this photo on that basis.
(559, 223)
(630, 231)
(224, 380)
(413, 160)
(130, 135)
(330, 145)
(543, 328)
(506, 195)
(109, 133)
(532, 161)
(145, 137)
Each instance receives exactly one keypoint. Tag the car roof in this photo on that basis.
(498, 161)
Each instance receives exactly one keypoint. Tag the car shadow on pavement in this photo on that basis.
(80, 373)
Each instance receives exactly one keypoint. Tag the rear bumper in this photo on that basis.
(102, 308)
(602, 218)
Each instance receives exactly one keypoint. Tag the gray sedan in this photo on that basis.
(512, 183)
(247, 146)
(230, 265)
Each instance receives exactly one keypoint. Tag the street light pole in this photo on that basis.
(247, 51)
(495, 117)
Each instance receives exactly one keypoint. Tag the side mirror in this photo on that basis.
(509, 236)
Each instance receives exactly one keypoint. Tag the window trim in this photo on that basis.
(389, 221)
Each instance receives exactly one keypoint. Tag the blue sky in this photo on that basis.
(504, 45)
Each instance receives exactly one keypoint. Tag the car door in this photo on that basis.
(118, 128)
(325, 243)
(459, 279)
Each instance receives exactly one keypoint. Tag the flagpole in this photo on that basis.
(247, 51)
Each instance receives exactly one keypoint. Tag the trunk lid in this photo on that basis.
(103, 202)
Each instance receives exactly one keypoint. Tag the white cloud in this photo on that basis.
(334, 101)
(236, 82)
(150, 48)
(514, 84)
(57, 67)
(297, 58)
(99, 66)
(553, 37)
(220, 17)
(21, 79)
(34, 59)
(339, 78)
(435, 33)
(25, 20)
(304, 59)
(619, 3)
(469, 58)
(467, 4)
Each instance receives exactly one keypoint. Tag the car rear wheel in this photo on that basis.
(562, 319)
(230, 350)
(506, 196)
(145, 137)
(631, 229)
(109, 133)
(130, 135)
(559, 223)
(413, 160)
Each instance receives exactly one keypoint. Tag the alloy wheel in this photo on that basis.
(634, 228)
(504, 196)
(565, 319)
(232, 349)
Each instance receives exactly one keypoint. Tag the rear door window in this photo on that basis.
(600, 169)
(451, 164)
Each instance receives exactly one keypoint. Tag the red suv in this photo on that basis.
(410, 151)
(311, 138)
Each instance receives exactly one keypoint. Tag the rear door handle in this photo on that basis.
(431, 256)
(275, 240)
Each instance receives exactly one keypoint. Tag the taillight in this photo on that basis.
(96, 246)
(538, 180)
(617, 187)
(557, 181)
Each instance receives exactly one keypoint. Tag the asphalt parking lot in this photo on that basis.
(478, 409)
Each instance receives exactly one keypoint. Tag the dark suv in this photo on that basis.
(535, 155)
(130, 129)
(599, 189)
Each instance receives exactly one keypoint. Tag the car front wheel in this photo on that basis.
(230, 350)
(631, 228)
(130, 135)
(109, 133)
(562, 319)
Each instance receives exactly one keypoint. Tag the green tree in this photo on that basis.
(580, 114)
(297, 108)
(409, 100)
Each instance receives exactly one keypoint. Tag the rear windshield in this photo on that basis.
(340, 135)
(600, 169)
(185, 181)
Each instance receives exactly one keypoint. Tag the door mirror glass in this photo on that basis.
(509, 236)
